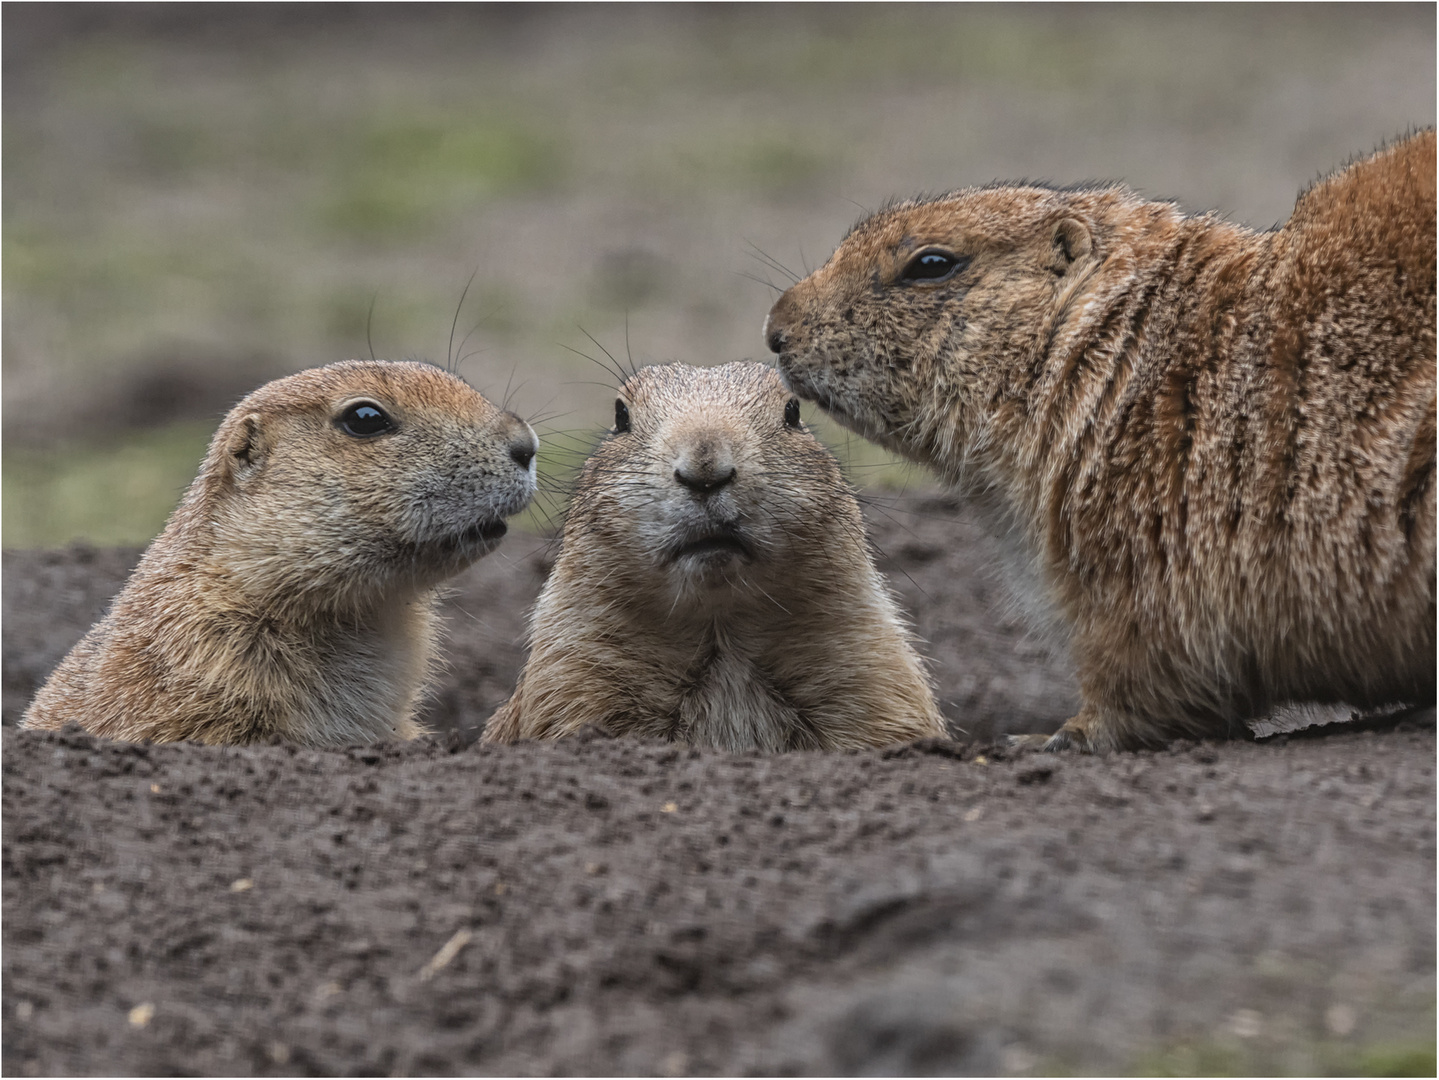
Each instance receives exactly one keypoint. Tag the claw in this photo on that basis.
(1028, 742)
(1066, 738)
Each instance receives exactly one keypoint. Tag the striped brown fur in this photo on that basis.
(1210, 449)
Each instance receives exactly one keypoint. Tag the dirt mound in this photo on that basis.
(616, 907)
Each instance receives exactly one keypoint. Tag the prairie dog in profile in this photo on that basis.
(292, 592)
(1213, 448)
(714, 585)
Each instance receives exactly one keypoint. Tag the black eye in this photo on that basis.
(791, 413)
(364, 419)
(622, 417)
(933, 266)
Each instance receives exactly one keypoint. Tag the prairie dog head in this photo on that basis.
(354, 480)
(927, 308)
(709, 483)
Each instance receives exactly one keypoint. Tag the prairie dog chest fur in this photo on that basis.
(1021, 570)
(733, 704)
(292, 592)
(714, 585)
(365, 681)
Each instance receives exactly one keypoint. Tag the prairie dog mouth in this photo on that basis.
(721, 543)
(481, 534)
(465, 545)
(858, 421)
(487, 531)
(808, 389)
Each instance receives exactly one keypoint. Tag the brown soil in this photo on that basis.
(613, 906)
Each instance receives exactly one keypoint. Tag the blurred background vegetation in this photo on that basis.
(201, 197)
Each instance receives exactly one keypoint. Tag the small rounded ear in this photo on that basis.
(1072, 242)
(246, 448)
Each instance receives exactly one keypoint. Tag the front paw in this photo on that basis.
(1066, 738)
(1028, 742)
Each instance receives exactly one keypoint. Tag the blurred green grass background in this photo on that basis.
(199, 199)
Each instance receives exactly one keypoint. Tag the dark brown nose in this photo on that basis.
(523, 443)
(774, 336)
(705, 465)
(776, 324)
(704, 480)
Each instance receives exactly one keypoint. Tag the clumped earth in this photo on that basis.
(609, 906)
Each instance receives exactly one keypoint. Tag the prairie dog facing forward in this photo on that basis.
(292, 592)
(1213, 448)
(714, 585)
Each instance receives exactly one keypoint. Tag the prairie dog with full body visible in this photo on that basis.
(292, 592)
(1213, 446)
(714, 585)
